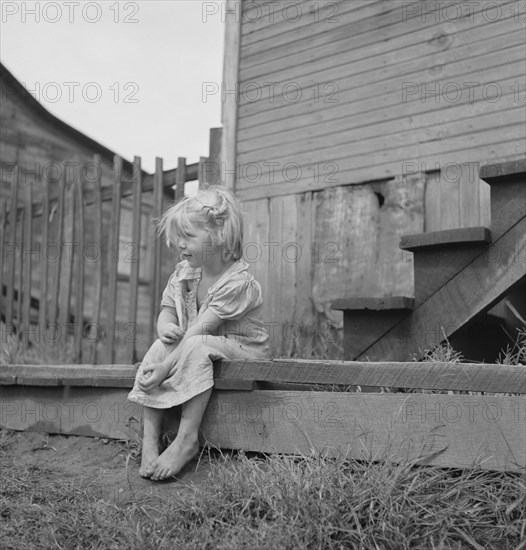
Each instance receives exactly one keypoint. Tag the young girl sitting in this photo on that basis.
(210, 311)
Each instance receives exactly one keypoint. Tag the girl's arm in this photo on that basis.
(167, 326)
(156, 373)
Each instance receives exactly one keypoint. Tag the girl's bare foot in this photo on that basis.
(172, 461)
(150, 453)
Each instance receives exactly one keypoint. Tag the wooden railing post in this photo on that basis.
(156, 275)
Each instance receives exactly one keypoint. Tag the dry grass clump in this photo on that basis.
(275, 502)
(13, 351)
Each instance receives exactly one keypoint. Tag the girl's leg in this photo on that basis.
(152, 421)
(185, 446)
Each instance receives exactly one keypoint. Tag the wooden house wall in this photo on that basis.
(345, 157)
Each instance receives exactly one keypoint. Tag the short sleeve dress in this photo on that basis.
(236, 299)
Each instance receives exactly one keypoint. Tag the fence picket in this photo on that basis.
(3, 237)
(97, 237)
(19, 243)
(156, 276)
(25, 296)
(58, 241)
(66, 281)
(79, 298)
(113, 257)
(135, 262)
(180, 178)
(42, 308)
(10, 290)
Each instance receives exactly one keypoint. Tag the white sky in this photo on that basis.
(135, 70)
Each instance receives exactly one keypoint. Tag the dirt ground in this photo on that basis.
(105, 465)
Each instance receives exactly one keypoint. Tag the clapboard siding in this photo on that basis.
(364, 160)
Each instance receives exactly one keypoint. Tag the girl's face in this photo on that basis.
(197, 247)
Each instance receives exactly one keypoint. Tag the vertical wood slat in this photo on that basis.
(58, 241)
(113, 256)
(3, 237)
(469, 195)
(66, 277)
(79, 297)
(10, 279)
(19, 243)
(213, 171)
(180, 178)
(432, 202)
(42, 308)
(135, 262)
(156, 276)
(98, 275)
(25, 295)
(201, 173)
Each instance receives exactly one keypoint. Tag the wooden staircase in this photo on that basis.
(459, 274)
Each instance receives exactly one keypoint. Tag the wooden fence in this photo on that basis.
(70, 274)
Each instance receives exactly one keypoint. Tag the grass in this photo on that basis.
(273, 502)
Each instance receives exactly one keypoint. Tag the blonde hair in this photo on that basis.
(215, 209)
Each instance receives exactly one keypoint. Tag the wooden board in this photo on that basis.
(461, 431)
(413, 375)
(440, 430)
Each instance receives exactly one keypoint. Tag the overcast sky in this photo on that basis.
(128, 74)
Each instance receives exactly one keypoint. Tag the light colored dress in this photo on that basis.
(236, 299)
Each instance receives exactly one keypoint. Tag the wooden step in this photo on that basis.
(508, 193)
(499, 268)
(440, 255)
(366, 320)
(443, 430)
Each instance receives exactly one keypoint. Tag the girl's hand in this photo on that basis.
(153, 375)
(171, 333)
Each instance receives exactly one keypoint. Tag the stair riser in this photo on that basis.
(435, 267)
(508, 203)
(363, 328)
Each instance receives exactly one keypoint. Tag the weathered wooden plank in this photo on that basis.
(231, 101)
(440, 430)
(42, 309)
(67, 259)
(476, 288)
(27, 248)
(508, 203)
(81, 261)
(11, 240)
(113, 259)
(213, 167)
(53, 319)
(99, 269)
(93, 412)
(156, 276)
(307, 329)
(180, 179)
(375, 304)
(135, 262)
(465, 235)
(495, 172)
(478, 377)
(3, 245)
(19, 245)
